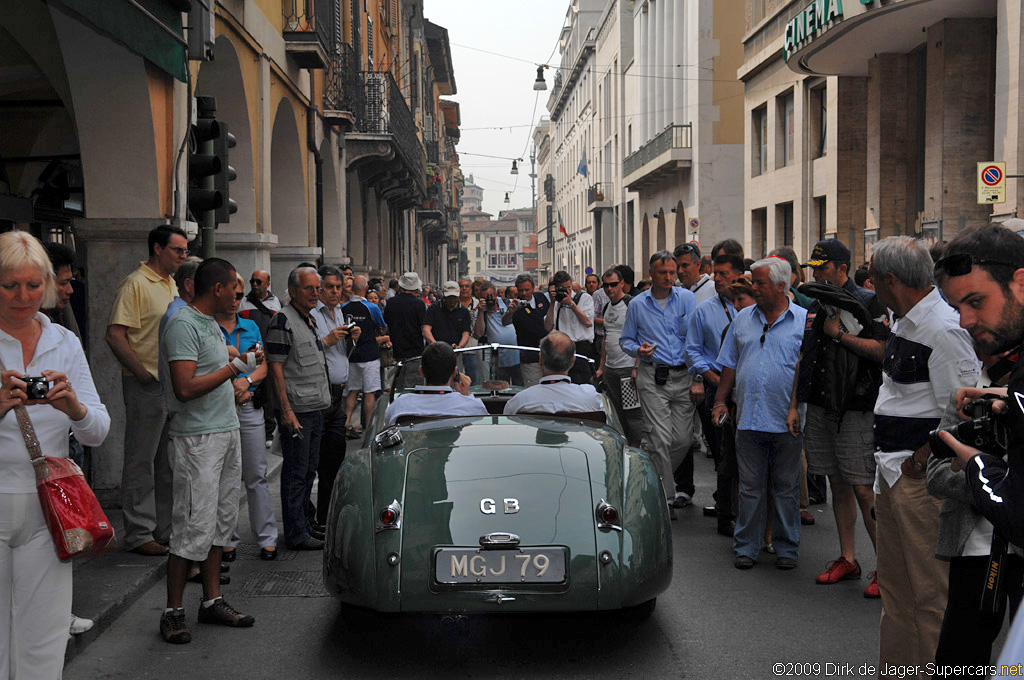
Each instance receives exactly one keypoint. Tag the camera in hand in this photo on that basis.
(36, 387)
(560, 293)
(491, 302)
(985, 431)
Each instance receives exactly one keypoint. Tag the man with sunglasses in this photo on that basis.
(982, 277)
(615, 365)
(927, 359)
(133, 337)
(259, 294)
(688, 261)
(759, 356)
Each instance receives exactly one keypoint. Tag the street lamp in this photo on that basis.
(539, 84)
(515, 169)
(507, 200)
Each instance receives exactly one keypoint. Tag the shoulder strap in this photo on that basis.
(577, 297)
(28, 433)
(258, 304)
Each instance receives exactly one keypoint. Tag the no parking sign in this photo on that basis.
(991, 183)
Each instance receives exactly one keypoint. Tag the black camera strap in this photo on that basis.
(992, 593)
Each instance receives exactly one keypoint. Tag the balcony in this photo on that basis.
(308, 31)
(669, 152)
(433, 154)
(382, 143)
(599, 197)
(342, 81)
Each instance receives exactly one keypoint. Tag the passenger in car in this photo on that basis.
(437, 398)
(556, 393)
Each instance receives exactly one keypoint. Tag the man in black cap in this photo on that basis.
(838, 379)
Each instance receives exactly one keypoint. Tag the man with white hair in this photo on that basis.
(759, 356)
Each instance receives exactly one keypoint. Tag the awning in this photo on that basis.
(150, 28)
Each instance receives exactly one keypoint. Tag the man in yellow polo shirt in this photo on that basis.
(134, 338)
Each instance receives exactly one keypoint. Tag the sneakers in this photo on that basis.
(872, 592)
(223, 614)
(681, 500)
(80, 625)
(173, 628)
(838, 570)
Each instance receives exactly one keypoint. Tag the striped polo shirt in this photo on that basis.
(927, 358)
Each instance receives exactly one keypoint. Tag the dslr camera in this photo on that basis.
(985, 431)
(36, 386)
(561, 292)
(491, 302)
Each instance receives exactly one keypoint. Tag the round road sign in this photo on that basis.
(589, 270)
(992, 175)
(694, 223)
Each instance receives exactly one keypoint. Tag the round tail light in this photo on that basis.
(388, 517)
(606, 513)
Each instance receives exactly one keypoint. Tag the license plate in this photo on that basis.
(521, 565)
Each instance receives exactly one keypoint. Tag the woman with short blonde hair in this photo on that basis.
(35, 588)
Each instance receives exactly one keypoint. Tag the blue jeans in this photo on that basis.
(301, 457)
(469, 364)
(763, 458)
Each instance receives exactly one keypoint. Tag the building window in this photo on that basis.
(757, 13)
(784, 151)
(502, 241)
(784, 225)
(759, 165)
(511, 242)
(819, 120)
(478, 238)
(478, 251)
(494, 261)
(820, 210)
(759, 228)
(494, 242)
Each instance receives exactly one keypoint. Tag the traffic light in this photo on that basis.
(222, 143)
(209, 171)
(203, 164)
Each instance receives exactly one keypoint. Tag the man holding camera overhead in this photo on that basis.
(927, 358)
(573, 314)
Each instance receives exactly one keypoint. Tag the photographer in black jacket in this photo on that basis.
(982, 276)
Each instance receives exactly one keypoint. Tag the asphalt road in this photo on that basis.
(714, 622)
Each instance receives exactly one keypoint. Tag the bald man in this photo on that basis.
(260, 294)
(556, 392)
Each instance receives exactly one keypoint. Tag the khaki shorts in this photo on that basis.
(207, 472)
(846, 447)
(363, 377)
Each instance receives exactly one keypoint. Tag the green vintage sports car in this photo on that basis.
(525, 513)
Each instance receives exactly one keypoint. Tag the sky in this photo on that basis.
(497, 91)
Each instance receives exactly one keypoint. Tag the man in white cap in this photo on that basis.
(447, 320)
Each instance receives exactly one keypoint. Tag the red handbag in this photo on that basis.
(76, 521)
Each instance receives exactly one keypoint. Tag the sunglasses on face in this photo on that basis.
(255, 282)
(961, 264)
(612, 284)
(239, 296)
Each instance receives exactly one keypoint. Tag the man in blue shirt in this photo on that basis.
(703, 343)
(488, 324)
(760, 355)
(655, 331)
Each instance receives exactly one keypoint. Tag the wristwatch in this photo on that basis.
(918, 467)
(838, 338)
(698, 378)
(248, 380)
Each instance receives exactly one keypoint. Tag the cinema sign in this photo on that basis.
(812, 21)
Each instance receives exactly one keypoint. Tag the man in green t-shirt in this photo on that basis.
(205, 448)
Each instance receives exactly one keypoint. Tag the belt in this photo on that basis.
(337, 391)
(655, 364)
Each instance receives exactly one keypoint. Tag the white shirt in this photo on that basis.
(58, 350)
(600, 300)
(336, 354)
(433, 400)
(614, 318)
(555, 394)
(704, 289)
(271, 302)
(569, 322)
(927, 358)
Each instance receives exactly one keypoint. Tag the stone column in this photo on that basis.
(850, 133)
(889, 127)
(959, 120)
(656, 53)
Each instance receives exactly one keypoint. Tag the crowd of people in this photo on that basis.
(793, 387)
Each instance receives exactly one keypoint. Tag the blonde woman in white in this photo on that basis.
(35, 588)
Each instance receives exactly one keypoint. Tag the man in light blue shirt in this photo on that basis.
(655, 331)
(703, 343)
(488, 324)
(760, 355)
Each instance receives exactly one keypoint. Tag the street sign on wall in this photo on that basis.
(991, 182)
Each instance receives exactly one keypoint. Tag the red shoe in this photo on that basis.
(838, 570)
(872, 591)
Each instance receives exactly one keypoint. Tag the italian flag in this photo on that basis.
(561, 227)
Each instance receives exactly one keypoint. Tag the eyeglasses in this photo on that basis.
(606, 284)
(180, 252)
(962, 263)
(764, 331)
(239, 296)
(255, 282)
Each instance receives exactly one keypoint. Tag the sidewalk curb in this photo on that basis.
(104, 587)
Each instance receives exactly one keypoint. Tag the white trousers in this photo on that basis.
(35, 593)
(254, 477)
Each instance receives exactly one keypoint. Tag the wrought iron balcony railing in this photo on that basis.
(380, 109)
(308, 31)
(672, 137)
(342, 80)
(433, 154)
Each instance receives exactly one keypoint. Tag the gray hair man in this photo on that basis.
(759, 357)
(556, 392)
(928, 357)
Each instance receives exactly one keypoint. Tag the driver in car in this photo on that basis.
(556, 393)
(437, 397)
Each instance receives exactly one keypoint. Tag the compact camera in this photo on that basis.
(985, 431)
(36, 387)
(561, 292)
(491, 302)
